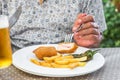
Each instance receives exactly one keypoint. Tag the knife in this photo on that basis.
(13, 19)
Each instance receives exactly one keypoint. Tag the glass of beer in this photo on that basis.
(5, 44)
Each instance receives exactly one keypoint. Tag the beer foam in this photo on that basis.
(4, 21)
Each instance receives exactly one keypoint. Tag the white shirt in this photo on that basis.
(49, 22)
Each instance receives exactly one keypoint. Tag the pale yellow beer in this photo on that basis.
(5, 45)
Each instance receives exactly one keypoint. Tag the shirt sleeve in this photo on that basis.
(95, 8)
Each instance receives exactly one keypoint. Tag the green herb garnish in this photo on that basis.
(89, 54)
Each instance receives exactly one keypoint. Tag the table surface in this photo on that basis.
(110, 71)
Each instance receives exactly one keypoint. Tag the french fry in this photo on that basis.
(51, 59)
(64, 58)
(60, 61)
(76, 64)
(78, 59)
(73, 65)
(45, 64)
(48, 59)
(82, 64)
(68, 57)
(35, 61)
(54, 65)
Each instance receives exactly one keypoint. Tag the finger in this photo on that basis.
(89, 25)
(88, 18)
(78, 21)
(85, 19)
(88, 41)
(89, 28)
(88, 32)
(79, 16)
(93, 40)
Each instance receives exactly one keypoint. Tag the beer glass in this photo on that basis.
(5, 45)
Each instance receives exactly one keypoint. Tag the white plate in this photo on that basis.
(21, 60)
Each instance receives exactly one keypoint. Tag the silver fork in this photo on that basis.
(69, 37)
(13, 19)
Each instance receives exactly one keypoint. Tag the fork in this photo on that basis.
(13, 19)
(69, 37)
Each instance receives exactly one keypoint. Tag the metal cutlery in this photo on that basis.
(13, 19)
(69, 37)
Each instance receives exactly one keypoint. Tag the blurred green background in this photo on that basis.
(112, 15)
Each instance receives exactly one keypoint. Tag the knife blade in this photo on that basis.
(13, 19)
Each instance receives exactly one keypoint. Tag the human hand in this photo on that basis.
(89, 35)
